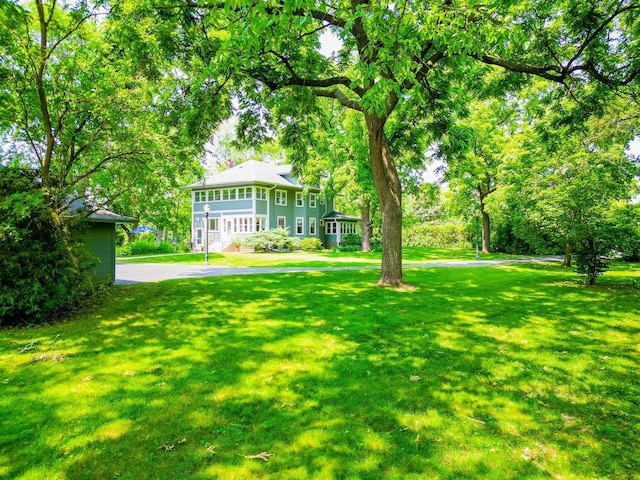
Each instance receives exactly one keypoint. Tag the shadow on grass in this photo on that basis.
(510, 372)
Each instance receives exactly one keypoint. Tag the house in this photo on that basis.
(98, 237)
(254, 196)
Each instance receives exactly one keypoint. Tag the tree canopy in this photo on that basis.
(406, 56)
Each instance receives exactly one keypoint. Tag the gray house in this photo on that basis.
(256, 196)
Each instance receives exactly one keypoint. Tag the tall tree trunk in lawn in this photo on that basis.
(366, 225)
(568, 252)
(486, 232)
(388, 188)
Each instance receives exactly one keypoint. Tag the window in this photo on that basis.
(200, 196)
(225, 194)
(312, 200)
(199, 236)
(232, 194)
(281, 197)
(299, 199)
(282, 222)
(261, 223)
(216, 195)
(312, 225)
(348, 228)
(331, 228)
(299, 226)
(245, 192)
(261, 193)
(214, 225)
(210, 195)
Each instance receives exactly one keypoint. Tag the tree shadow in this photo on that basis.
(515, 373)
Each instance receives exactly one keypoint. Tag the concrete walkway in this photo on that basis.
(127, 273)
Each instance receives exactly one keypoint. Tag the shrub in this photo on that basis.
(310, 244)
(276, 239)
(590, 256)
(42, 270)
(448, 235)
(350, 240)
(183, 247)
(148, 247)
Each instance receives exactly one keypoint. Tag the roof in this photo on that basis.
(95, 214)
(251, 172)
(334, 215)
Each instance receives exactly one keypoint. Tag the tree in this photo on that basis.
(408, 54)
(569, 185)
(79, 110)
(474, 149)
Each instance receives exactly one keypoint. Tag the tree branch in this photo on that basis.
(340, 96)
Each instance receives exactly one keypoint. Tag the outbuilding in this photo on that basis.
(98, 236)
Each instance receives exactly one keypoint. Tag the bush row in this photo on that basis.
(447, 235)
(150, 247)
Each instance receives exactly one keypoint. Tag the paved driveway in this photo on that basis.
(156, 272)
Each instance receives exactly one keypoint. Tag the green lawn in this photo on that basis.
(504, 372)
(324, 258)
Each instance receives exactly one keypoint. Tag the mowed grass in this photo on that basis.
(503, 372)
(324, 258)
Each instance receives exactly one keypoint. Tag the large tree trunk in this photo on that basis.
(366, 225)
(388, 188)
(486, 232)
(568, 252)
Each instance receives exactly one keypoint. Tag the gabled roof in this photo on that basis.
(250, 173)
(82, 207)
(334, 215)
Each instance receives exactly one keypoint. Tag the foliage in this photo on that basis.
(42, 270)
(310, 244)
(277, 238)
(591, 255)
(402, 66)
(146, 247)
(82, 113)
(571, 182)
(334, 378)
(626, 218)
(448, 235)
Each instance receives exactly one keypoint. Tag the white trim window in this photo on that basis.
(299, 199)
(261, 193)
(200, 196)
(331, 228)
(312, 200)
(198, 236)
(312, 225)
(214, 224)
(261, 224)
(281, 222)
(348, 228)
(299, 225)
(281, 197)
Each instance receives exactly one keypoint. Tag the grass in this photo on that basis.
(504, 372)
(325, 258)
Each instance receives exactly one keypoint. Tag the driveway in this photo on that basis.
(127, 273)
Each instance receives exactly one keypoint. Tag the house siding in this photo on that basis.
(100, 241)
